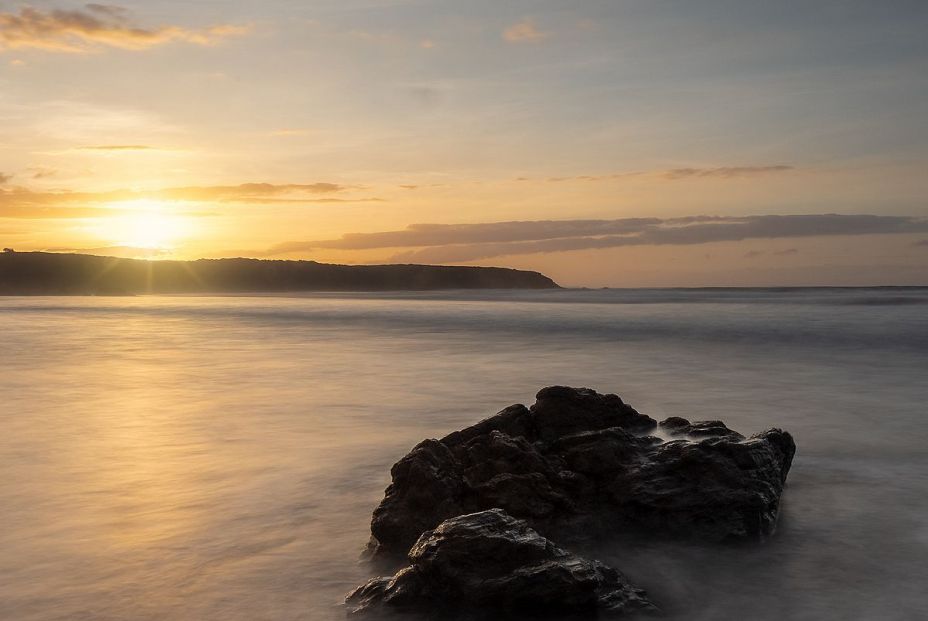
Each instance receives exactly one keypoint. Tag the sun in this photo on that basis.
(146, 224)
(149, 230)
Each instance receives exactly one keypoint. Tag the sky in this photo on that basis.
(604, 143)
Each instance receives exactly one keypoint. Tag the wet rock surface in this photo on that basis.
(677, 426)
(579, 464)
(491, 562)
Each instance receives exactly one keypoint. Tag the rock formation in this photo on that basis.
(581, 463)
(490, 562)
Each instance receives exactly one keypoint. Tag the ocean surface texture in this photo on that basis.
(218, 458)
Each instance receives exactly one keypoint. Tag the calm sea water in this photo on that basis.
(217, 458)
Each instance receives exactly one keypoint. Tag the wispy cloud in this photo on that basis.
(420, 235)
(444, 243)
(290, 132)
(524, 31)
(48, 212)
(16, 202)
(129, 252)
(4, 178)
(265, 200)
(117, 147)
(246, 191)
(94, 27)
(676, 174)
(41, 173)
(725, 172)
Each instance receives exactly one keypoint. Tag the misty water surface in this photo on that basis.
(218, 458)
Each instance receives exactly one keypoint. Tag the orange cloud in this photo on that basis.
(41, 172)
(94, 27)
(130, 252)
(118, 147)
(19, 202)
(290, 132)
(524, 32)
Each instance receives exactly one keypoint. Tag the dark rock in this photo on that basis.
(674, 424)
(717, 489)
(492, 563)
(561, 411)
(428, 485)
(576, 464)
(677, 426)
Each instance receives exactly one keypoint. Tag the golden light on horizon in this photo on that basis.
(146, 223)
(395, 126)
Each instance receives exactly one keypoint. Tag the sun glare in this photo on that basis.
(146, 224)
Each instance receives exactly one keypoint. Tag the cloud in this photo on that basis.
(787, 252)
(4, 178)
(41, 173)
(245, 191)
(129, 252)
(524, 31)
(290, 132)
(455, 243)
(922, 243)
(725, 172)
(117, 147)
(41, 212)
(676, 174)
(421, 235)
(258, 200)
(94, 27)
(753, 254)
(17, 202)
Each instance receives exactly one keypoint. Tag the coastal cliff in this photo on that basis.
(42, 273)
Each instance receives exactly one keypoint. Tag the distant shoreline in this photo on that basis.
(59, 274)
(558, 290)
(43, 273)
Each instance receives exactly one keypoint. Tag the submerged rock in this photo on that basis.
(579, 463)
(490, 562)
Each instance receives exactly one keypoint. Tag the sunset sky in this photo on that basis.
(604, 143)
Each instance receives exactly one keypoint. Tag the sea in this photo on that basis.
(218, 458)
